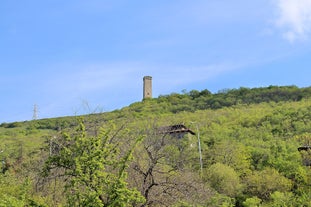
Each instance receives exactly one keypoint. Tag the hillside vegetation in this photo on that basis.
(248, 138)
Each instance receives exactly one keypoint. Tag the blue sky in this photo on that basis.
(80, 56)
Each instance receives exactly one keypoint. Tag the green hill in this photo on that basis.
(248, 137)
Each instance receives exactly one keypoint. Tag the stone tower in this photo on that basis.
(147, 93)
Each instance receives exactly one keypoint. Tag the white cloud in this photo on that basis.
(294, 18)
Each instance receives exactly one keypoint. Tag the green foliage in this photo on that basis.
(252, 202)
(282, 199)
(19, 194)
(263, 183)
(202, 100)
(249, 139)
(195, 100)
(231, 154)
(224, 179)
(11, 125)
(221, 201)
(93, 169)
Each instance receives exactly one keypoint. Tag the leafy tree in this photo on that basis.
(224, 179)
(231, 154)
(282, 199)
(92, 169)
(221, 200)
(252, 202)
(263, 183)
(17, 192)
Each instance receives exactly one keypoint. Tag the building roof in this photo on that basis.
(175, 129)
(306, 147)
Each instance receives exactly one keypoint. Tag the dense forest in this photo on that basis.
(243, 152)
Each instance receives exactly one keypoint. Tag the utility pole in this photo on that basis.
(199, 146)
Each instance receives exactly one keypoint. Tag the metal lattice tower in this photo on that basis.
(35, 112)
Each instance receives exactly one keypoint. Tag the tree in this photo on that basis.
(263, 183)
(93, 170)
(17, 192)
(252, 202)
(232, 154)
(162, 173)
(282, 199)
(224, 179)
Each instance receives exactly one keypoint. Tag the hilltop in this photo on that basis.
(249, 139)
(188, 102)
